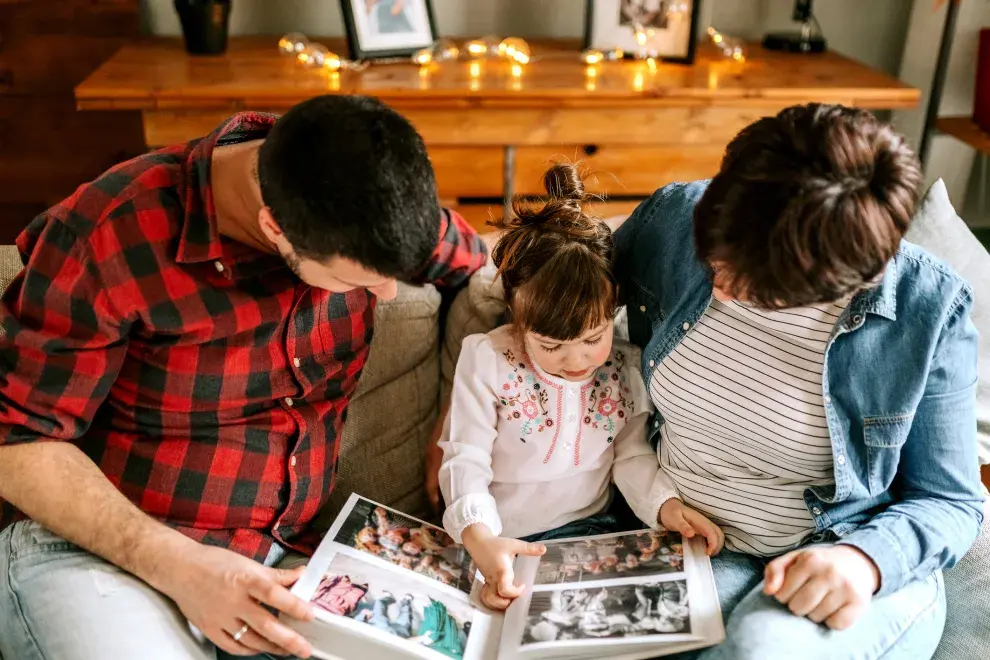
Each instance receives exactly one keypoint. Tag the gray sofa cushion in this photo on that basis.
(967, 594)
(938, 229)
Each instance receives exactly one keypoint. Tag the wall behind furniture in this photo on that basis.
(872, 32)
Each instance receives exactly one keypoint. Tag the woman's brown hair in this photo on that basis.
(555, 261)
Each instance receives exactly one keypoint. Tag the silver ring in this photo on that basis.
(240, 633)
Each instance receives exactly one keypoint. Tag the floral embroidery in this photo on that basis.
(610, 398)
(523, 397)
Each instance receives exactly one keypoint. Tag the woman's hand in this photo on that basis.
(494, 556)
(677, 517)
(832, 585)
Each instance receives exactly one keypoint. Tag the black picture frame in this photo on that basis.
(359, 51)
(692, 45)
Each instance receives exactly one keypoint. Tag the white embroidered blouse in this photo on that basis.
(526, 452)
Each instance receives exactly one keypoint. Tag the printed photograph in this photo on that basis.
(395, 604)
(405, 542)
(390, 16)
(387, 28)
(647, 13)
(634, 554)
(628, 610)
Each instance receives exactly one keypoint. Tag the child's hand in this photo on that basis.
(831, 585)
(677, 517)
(494, 556)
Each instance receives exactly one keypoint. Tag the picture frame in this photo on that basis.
(381, 29)
(608, 25)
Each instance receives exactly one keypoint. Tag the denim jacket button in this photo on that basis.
(857, 319)
(642, 308)
(652, 363)
(816, 511)
(686, 326)
(828, 399)
(840, 459)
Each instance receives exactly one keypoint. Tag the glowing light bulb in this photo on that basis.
(592, 56)
(445, 50)
(292, 44)
(476, 48)
(515, 49)
(423, 57)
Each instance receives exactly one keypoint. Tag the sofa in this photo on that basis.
(416, 344)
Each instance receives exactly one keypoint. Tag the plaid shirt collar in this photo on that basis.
(200, 239)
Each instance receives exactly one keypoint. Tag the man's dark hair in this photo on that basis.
(348, 176)
(808, 206)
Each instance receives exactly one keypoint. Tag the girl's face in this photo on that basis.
(573, 360)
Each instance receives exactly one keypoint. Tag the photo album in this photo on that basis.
(386, 585)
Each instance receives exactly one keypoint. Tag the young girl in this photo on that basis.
(546, 412)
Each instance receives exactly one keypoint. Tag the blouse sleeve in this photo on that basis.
(635, 468)
(468, 436)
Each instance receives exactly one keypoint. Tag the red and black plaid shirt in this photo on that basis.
(207, 382)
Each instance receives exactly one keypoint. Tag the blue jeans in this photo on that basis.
(905, 624)
(58, 601)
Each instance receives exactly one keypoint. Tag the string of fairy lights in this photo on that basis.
(314, 55)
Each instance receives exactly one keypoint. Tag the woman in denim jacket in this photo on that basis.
(814, 377)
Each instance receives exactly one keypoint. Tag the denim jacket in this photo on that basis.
(898, 385)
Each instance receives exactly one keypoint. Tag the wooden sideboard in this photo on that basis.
(491, 129)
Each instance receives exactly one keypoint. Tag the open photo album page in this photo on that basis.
(385, 585)
(614, 595)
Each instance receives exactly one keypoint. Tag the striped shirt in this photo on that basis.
(744, 422)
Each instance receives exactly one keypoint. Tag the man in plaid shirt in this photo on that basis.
(176, 362)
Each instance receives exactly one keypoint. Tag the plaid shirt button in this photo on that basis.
(289, 402)
(297, 362)
(292, 462)
(219, 265)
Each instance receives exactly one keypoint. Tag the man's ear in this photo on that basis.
(268, 224)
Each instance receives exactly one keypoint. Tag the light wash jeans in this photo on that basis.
(59, 602)
(905, 624)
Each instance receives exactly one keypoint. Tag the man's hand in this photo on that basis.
(677, 517)
(831, 584)
(494, 556)
(220, 591)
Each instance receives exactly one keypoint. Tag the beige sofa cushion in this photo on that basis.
(395, 408)
(10, 265)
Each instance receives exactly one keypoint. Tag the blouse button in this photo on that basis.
(567, 446)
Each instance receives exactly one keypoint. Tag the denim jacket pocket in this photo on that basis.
(884, 437)
(643, 312)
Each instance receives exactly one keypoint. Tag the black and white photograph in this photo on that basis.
(627, 610)
(387, 28)
(670, 25)
(628, 555)
(406, 542)
(645, 13)
(395, 604)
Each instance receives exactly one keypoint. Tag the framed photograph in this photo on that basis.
(387, 28)
(671, 24)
